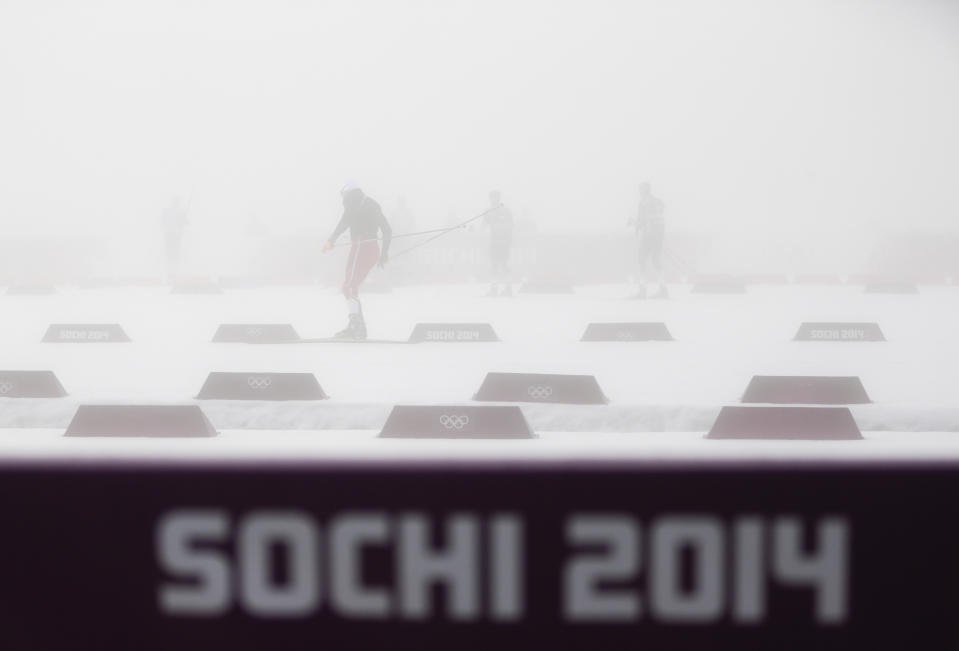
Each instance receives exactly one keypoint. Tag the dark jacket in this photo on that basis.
(365, 219)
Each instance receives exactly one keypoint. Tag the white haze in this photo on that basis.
(832, 123)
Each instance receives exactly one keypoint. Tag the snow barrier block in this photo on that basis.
(239, 282)
(30, 384)
(546, 287)
(31, 290)
(196, 286)
(452, 332)
(784, 423)
(541, 387)
(719, 285)
(261, 386)
(456, 421)
(891, 287)
(140, 281)
(809, 390)
(765, 279)
(818, 279)
(255, 333)
(828, 331)
(626, 332)
(85, 333)
(153, 421)
(95, 283)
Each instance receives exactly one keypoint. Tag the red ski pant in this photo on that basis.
(363, 257)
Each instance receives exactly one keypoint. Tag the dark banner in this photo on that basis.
(478, 557)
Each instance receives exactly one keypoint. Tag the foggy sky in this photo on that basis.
(749, 118)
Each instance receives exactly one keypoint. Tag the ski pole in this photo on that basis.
(439, 231)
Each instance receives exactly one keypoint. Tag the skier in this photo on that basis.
(500, 222)
(650, 230)
(363, 216)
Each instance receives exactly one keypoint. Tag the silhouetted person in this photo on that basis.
(365, 220)
(500, 222)
(650, 233)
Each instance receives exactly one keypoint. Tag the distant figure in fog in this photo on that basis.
(365, 220)
(174, 221)
(650, 233)
(500, 222)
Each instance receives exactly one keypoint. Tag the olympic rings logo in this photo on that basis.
(624, 335)
(5, 388)
(454, 421)
(254, 332)
(537, 392)
(256, 382)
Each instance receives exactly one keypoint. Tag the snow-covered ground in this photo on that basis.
(662, 395)
(349, 446)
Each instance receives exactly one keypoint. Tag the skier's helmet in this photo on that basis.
(349, 186)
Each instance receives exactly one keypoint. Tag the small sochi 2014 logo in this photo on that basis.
(5, 387)
(454, 421)
(539, 392)
(254, 331)
(259, 382)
